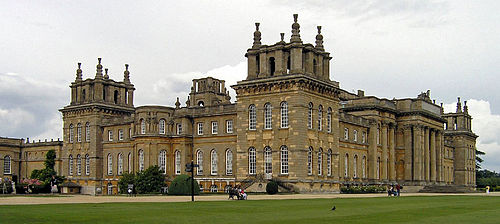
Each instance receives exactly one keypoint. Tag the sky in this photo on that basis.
(388, 48)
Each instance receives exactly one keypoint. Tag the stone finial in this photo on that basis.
(256, 36)
(188, 101)
(459, 105)
(177, 104)
(126, 75)
(106, 76)
(98, 74)
(295, 30)
(466, 108)
(282, 41)
(319, 39)
(79, 72)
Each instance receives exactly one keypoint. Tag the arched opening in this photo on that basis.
(104, 94)
(126, 96)
(115, 97)
(288, 65)
(257, 60)
(272, 66)
(201, 104)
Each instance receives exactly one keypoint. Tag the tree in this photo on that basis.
(479, 160)
(181, 185)
(149, 181)
(125, 180)
(45, 175)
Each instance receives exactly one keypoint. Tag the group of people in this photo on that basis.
(394, 190)
(238, 192)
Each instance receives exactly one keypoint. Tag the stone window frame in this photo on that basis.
(87, 164)
(71, 133)
(329, 163)
(110, 135)
(229, 162)
(310, 161)
(110, 164)
(79, 165)
(141, 160)
(213, 162)
(87, 132)
(200, 128)
(199, 161)
(215, 127)
(329, 120)
(355, 135)
(229, 126)
(7, 165)
(363, 167)
(130, 162)
(284, 114)
(284, 160)
(268, 160)
(79, 132)
(355, 166)
(252, 161)
(70, 165)
(268, 116)
(320, 117)
(143, 126)
(120, 134)
(310, 116)
(346, 133)
(177, 162)
(161, 126)
(120, 164)
(179, 128)
(346, 165)
(320, 161)
(162, 161)
(252, 117)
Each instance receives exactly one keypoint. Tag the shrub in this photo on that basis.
(181, 185)
(362, 189)
(149, 181)
(272, 187)
(125, 180)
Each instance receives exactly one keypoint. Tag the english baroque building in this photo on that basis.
(290, 123)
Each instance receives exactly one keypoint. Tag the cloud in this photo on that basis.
(487, 126)
(29, 107)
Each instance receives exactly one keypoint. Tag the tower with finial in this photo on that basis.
(293, 58)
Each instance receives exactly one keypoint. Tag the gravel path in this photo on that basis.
(65, 199)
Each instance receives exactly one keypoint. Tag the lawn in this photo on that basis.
(421, 209)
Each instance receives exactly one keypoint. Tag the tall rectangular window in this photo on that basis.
(329, 120)
(120, 134)
(110, 135)
(179, 129)
(229, 126)
(200, 128)
(215, 127)
(252, 162)
(346, 133)
(284, 160)
(310, 116)
(267, 116)
(284, 114)
(79, 132)
(252, 117)
(355, 135)
(320, 118)
(363, 137)
(87, 132)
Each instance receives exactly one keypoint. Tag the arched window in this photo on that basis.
(268, 116)
(7, 165)
(363, 167)
(320, 117)
(70, 165)
(110, 164)
(329, 162)
(87, 132)
(130, 162)
(272, 66)
(355, 135)
(143, 126)
(213, 162)
(284, 159)
(252, 162)
(79, 132)
(71, 133)
(161, 126)
(87, 164)
(310, 116)
(177, 162)
(284, 114)
(79, 165)
(199, 161)
(141, 160)
(346, 165)
(310, 161)
(320, 162)
(329, 120)
(355, 166)
(229, 162)
(120, 164)
(268, 160)
(252, 117)
(162, 161)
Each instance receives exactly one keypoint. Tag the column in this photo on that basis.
(408, 139)
(385, 152)
(439, 157)
(392, 154)
(433, 155)
(426, 155)
(417, 150)
(372, 151)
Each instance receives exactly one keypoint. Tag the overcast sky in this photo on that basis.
(387, 48)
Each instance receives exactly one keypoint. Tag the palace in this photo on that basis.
(290, 123)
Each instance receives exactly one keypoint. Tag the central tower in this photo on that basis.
(287, 113)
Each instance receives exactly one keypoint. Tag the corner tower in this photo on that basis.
(458, 134)
(287, 113)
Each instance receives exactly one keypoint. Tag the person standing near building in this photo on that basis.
(398, 189)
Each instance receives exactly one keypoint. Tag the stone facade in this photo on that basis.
(290, 123)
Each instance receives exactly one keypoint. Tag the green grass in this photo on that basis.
(435, 209)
